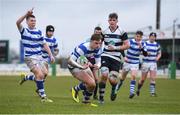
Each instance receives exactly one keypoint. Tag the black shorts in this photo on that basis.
(110, 63)
(92, 61)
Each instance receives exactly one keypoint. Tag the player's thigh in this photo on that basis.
(145, 67)
(33, 65)
(153, 70)
(126, 67)
(38, 73)
(153, 74)
(104, 66)
(44, 67)
(114, 71)
(82, 75)
(134, 69)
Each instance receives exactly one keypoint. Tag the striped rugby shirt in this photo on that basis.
(134, 52)
(153, 49)
(116, 39)
(32, 41)
(52, 43)
(85, 50)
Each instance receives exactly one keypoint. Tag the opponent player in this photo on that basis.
(32, 40)
(115, 42)
(83, 72)
(150, 64)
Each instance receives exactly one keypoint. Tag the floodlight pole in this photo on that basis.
(173, 39)
(172, 66)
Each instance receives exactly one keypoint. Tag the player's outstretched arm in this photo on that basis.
(19, 21)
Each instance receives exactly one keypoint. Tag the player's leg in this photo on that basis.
(87, 83)
(30, 63)
(39, 71)
(114, 68)
(26, 77)
(95, 73)
(113, 79)
(144, 73)
(45, 70)
(102, 83)
(125, 70)
(134, 72)
(104, 76)
(153, 71)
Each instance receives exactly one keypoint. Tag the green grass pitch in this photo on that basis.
(23, 99)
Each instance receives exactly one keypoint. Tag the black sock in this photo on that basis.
(96, 88)
(102, 87)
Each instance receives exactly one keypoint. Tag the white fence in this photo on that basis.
(16, 69)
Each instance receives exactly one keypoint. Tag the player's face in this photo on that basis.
(138, 37)
(152, 38)
(31, 22)
(50, 34)
(95, 44)
(97, 32)
(113, 22)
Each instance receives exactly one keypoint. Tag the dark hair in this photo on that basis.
(30, 16)
(97, 28)
(153, 34)
(139, 33)
(113, 15)
(50, 28)
(96, 37)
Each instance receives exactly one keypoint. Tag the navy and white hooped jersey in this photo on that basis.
(134, 52)
(116, 39)
(52, 43)
(153, 49)
(32, 41)
(85, 50)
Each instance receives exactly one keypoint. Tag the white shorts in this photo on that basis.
(129, 67)
(35, 62)
(148, 67)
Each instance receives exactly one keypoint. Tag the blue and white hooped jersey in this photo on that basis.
(116, 39)
(52, 43)
(85, 50)
(134, 52)
(153, 49)
(32, 41)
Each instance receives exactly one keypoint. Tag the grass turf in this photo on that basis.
(23, 99)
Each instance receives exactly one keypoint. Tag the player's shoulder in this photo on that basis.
(106, 30)
(121, 30)
(33, 31)
(84, 45)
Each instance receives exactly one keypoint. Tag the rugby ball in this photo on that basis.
(82, 60)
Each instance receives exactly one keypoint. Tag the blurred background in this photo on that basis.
(74, 21)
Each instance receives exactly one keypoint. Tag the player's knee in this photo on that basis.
(104, 72)
(104, 77)
(152, 81)
(91, 85)
(39, 76)
(113, 77)
(133, 77)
